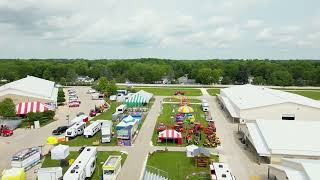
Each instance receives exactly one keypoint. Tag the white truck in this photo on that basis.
(205, 106)
(53, 173)
(106, 131)
(92, 129)
(75, 130)
(84, 166)
(26, 158)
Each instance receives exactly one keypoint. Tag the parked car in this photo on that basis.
(5, 131)
(76, 101)
(74, 104)
(60, 130)
(92, 113)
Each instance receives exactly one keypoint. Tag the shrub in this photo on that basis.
(41, 116)
(7, 108)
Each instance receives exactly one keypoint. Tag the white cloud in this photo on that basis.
(220, 20)
(254, 23)
(265, 35)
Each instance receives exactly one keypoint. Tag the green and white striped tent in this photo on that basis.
(136, 100)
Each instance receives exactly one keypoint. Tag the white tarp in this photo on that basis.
(60, 152)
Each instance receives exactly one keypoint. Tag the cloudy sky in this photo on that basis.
(180, 29)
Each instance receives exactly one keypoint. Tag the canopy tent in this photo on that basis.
(136, 100)
(170, 134)
(60, 152)
(128, 119)
(24, 108)
(185, 109)
(191, 149)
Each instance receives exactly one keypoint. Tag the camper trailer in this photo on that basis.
(205, 106)
(26, 158)
(121, 109)
(81, 118)
(53, 173)
(92, 129)
(76, 129)
(84, 166)
(106, 131)
(111, 168)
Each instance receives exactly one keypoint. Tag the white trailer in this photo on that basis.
(75, 130)
(121, 109)
(106, 130)
(26, 158)
(53, 173)
(81, 118)
(92, 129)
(111, 168)
(84, 166)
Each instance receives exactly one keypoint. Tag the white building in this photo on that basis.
(30, 89)
(295, 169)
(249, 102)
(273, 139)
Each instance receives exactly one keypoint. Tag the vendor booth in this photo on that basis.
(24, 108)
(138, 99)
(126, 130)
(170, 134)
(60, 152)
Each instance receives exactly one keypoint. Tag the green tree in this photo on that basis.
(281, 78)
(259, 80)
(102, 84)
(205, 76)
(7, 108)
(111, 88)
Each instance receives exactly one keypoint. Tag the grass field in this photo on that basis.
(107, 115)
(213, 92)
(178, 165)
(164, 91)
(310, 94)
(168, 117)
(178, 100)
(102, 156)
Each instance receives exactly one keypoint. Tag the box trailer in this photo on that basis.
(84, 166)
(106, 131)
(92, 129)
(76, 129)
(111, 168)
(52, 173)
(26, 158)
(81, 118)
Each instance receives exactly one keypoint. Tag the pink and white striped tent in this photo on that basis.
(170, 134)
(26, 107)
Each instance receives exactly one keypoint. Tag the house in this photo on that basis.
(185, 80)
(272, 140)
(249, 102)
(30, 89)
(84, 79)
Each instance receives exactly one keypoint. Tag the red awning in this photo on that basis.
(26, 107)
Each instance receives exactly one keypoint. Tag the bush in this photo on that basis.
(61, 96)
(7, 108)
(41, 116)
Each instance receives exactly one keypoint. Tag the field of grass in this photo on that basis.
(168, 117)
(178, 165)
(107, 115)
(213, 92)
(178, 100)
(167, 91)
(102, 156)
(310, 94)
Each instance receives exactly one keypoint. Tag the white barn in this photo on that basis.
(249, 102)
(295, 169)
(273, 140)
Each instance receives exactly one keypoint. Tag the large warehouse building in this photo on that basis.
(272, 140)
(30, 89)
(249, 102)
(295, 169)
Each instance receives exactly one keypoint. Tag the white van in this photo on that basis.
(121, 109)
(76, 129)
(205, 106)
(92, 129)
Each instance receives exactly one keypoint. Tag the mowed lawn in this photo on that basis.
(310, 94)
(168, 118)
(177, 100)
(178, 165)
(213, 92)
(102, 156)
(161, 91)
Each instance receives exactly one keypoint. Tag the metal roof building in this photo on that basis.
(295, 169)
(29, 89)
(275, 139)
(249, 102)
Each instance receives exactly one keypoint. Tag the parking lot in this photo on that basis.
(24, 138)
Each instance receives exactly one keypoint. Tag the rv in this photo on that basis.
(205, 106)
(111, 168)
(76, 129)
(92, 129)
(84, 166)
(106, 131)
(53, 173)
(81, 118)
(121, 109)
(26, 158)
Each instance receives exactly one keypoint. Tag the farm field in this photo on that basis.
(102, 156)
(164, 91)
(178, 165)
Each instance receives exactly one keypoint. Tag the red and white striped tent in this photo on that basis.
(26, 107)
(170, 134)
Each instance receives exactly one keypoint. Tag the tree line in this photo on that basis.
(150, 70)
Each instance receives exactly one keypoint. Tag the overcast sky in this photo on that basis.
(198, 29)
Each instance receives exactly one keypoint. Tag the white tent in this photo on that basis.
(190, 150)
(60, 152)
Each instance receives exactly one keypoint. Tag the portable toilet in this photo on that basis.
(13, 174)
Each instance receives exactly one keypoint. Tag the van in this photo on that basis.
(76, 129)
(92, 129)
(205, 106)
